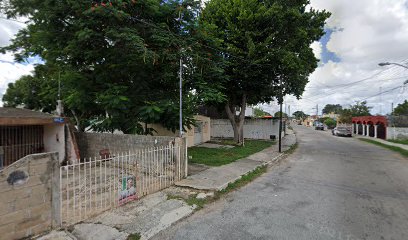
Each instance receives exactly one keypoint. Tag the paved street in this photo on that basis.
(330, 188)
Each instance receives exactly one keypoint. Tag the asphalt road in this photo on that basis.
(330, 188)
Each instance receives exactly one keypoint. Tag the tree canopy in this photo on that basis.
(332, 108)
(401, 109)
(265, 49)
(259, 112)
(356, 110)
(118, 63)
(299, 115)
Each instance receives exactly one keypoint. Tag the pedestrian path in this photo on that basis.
(218, 178)
(403, 146)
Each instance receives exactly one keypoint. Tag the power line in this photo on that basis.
(389, 90)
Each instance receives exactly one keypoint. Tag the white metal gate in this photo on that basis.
(92, 187)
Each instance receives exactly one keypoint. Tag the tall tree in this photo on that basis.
(114, 58)
(299, 115)
(356, 110)
(332, 108)
(265, 49)
(401, 109)
(259, 112)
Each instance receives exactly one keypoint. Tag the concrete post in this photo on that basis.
(352, 129)
(364, 129)
(375, 130)
(55, 193)
(368, 130)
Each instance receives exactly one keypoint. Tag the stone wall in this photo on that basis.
(397, 133)
(253, 128)
(28, 203)
(90, 144)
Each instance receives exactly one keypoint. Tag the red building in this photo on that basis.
(372, 126)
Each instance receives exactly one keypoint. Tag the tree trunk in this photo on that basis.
(237, 121)
(78, 123)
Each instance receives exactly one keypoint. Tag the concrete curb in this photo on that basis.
(405, 147)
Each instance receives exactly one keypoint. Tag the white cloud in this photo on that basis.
(317, 49)
(10, 71)
(371, 32)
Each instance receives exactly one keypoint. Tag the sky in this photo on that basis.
(359, 35)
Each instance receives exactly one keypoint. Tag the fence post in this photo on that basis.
(185, 157)
(56, 192)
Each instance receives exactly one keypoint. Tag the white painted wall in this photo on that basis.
(397, 133)
(253, 128)
(54, 140)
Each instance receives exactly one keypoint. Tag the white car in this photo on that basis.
(341, 131)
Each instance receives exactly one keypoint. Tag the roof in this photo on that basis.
(18, 116)
(370, 120)
(22, 113)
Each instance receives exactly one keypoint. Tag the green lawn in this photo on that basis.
(405, 141)
(403, 152)
(218, 157)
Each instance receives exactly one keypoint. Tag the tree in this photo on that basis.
(265, 49)
(356, 110)
(360, 109)
(284, 115)
(401, 109)
(258, 112)
(332, 108)
(330, 123)
(113, 60)
(299, 115)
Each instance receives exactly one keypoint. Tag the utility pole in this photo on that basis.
(280, 115)
(289, 111)
(317, 110)
(181, 88)
(380, 101)
(392, 108)
(181, 98)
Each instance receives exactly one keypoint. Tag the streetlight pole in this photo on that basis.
(392, 63)
(280, 115)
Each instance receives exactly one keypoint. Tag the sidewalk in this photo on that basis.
(218, 178)
(158, 211)
(405, 147)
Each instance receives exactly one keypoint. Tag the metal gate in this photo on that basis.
(92, 187)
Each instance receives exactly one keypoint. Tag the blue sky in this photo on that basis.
(326, 54)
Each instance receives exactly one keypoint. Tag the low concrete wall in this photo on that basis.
(192, 137)
(27, 196)
(253, 128)
(397, 133)
(90, 144)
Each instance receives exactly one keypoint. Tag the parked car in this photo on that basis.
(319, 126)
(341, 131)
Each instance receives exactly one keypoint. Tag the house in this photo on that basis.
(24, 132)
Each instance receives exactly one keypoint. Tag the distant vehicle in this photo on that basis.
(342, 131)
(319, 126)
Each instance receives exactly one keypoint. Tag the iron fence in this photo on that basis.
(96, 185)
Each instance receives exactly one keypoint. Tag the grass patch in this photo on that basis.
(400, 141)
(399, 150)
(291, 149)
(134, 236)
(222, 156)
(244, 180)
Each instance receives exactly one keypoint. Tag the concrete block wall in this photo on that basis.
(253, 128)
(397, 133)
(26, 196)
(90, 144)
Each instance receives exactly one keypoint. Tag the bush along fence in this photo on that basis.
(91, 187)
